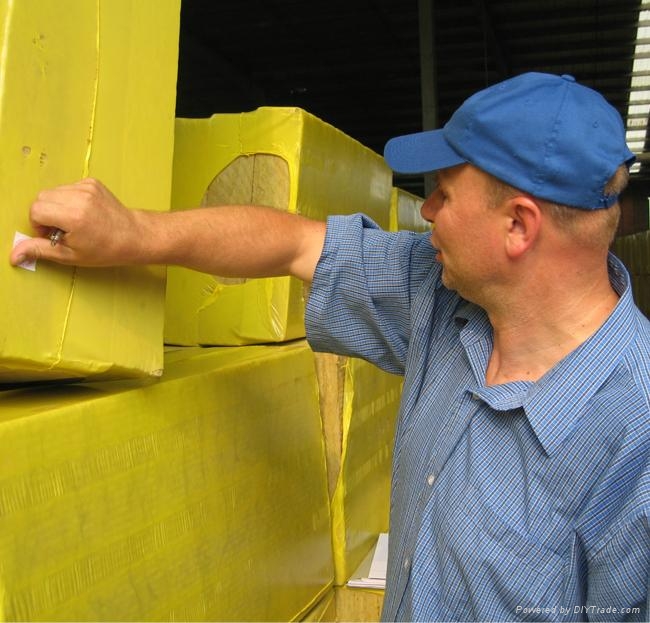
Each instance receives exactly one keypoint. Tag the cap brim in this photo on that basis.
(421, 153)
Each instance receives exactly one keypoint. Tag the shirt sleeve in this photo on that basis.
(363, 287)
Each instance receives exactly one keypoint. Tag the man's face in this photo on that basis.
(464, 230)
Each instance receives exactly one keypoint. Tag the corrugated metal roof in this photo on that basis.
(357, 64)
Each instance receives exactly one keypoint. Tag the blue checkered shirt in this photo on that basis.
(521, 501)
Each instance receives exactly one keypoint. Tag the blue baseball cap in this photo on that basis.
(541, 133)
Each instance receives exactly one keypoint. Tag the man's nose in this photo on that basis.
(430, 206)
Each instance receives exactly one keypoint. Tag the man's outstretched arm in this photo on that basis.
(229, 241)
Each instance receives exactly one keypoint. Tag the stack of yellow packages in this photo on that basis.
(288, 159)
(200, 496)
(86, 89)
(280, 157)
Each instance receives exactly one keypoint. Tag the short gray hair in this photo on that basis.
(589, 227)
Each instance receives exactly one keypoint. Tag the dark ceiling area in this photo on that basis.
(357, 65)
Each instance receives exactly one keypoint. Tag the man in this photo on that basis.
(521, 482)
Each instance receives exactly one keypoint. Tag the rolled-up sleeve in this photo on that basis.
(360, 300)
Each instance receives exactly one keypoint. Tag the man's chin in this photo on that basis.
(446, 281)
(449, 282)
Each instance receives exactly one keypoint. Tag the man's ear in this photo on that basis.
(523, 222)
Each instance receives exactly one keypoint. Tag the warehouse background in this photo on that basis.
(377, 68)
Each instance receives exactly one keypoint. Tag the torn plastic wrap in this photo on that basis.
(279, 157)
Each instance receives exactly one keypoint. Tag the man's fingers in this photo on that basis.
(88, 184)
(46, 215)
(87, 214)
(60, 207)
(40, 248)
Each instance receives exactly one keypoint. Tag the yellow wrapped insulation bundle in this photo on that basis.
(279, 157)
(359, 405)
(87, 88)
(200, 496)
(405, 212)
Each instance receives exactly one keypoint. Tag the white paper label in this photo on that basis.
(27, 264)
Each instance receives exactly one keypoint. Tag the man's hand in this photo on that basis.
(98, 229)
(230, 241)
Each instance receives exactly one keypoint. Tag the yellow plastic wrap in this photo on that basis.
(87, 88)
(323, 611)
(405, 212)
(280, 157)
(200, 496)
(359, 403)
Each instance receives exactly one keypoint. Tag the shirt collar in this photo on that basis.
(553, 403)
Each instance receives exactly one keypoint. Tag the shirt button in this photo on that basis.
(407, 563)
(431, 479)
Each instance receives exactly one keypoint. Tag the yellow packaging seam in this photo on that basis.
(86, 170)
(339, 528)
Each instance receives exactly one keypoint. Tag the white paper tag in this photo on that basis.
(27, 264)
